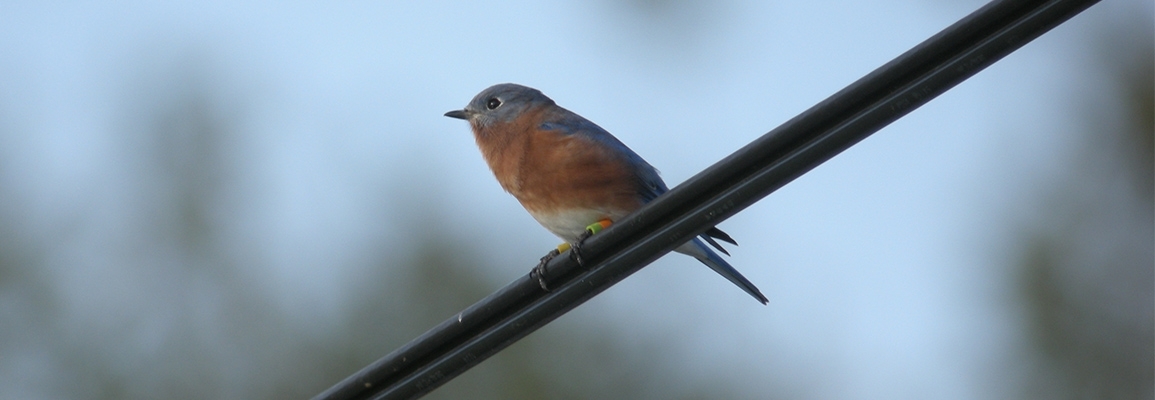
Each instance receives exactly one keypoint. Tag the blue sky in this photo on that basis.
(886, 267)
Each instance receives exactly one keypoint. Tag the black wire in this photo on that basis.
(711, 196)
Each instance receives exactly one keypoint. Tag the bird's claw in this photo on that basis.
(539, 270)
(575, 251)
(576, 247)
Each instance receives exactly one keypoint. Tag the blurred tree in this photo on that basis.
(441, 276)
(27, 304)
(1088, 274)
(184, 317)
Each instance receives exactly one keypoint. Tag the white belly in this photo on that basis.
(569, 225)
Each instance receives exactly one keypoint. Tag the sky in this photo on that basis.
(885, 267)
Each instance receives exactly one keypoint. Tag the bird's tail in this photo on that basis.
(697, 249)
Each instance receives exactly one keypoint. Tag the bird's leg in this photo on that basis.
(576, 247)
(539, 270)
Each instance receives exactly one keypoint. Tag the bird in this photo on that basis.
(571, 175)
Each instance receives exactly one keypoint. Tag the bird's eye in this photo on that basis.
(493, 103)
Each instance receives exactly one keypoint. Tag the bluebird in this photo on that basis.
(571, 175)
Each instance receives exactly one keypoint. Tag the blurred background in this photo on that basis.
(253, 200)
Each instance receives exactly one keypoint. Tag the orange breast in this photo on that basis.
(548, 171)
(563, 172)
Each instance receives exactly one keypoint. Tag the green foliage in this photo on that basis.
(193, 320)
(1087, 273)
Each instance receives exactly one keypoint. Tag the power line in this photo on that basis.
(708, 198)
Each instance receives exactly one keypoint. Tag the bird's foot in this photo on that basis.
(576, 247)
(539, 270)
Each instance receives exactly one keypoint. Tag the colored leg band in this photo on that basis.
(598, 226)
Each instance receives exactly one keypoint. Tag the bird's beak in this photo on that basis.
(459, 114)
